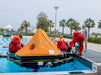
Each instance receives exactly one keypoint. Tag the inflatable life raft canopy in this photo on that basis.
(39, 45)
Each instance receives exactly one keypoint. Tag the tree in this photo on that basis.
(96, 34)
(73, 25)
(62, 24)
(12, 30)
(51, 25)
(22, 27)
(19, 30)
(76, 26)
(25, 24)
(89, 23)
(99, 24)
(42, 22)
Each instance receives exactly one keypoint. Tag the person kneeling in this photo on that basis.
(15, 45)
(62, 44)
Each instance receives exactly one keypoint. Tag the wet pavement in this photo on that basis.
(93, 55)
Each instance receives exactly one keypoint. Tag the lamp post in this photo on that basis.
(56, 7)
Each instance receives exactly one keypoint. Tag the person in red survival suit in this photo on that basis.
(77, 38)
(62, 44)
(15, 45)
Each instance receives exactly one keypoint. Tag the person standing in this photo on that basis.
(84, 32)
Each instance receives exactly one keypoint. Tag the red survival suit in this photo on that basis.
(78, 38)
(62, 45)
(14, 45)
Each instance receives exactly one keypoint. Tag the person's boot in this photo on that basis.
(80, 54)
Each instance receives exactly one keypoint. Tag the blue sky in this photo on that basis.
(13, 12)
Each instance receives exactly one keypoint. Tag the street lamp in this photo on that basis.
(56, 7)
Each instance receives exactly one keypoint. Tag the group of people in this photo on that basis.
(78, 36)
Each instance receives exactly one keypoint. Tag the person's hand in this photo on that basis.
(22, 45)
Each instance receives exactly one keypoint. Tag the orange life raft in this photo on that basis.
(39, 49)
(39, 45)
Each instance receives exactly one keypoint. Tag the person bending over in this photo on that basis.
(77, 38)
(15, 45)
(62, 44)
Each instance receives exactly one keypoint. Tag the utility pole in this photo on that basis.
(56, 7)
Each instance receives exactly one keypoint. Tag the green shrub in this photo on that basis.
(24, 34)
(90, 39)
(53, 35)
(65, 36)
(68, 36)
(94, 40)
(28, 34)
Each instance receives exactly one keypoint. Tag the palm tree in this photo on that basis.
(70, 24)
(76, 26)
(25, 24)
(73, 25)
(89, 23)
(62, 24)
(99, 24)
(51, 25)
(19, 30)
(22, 27)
